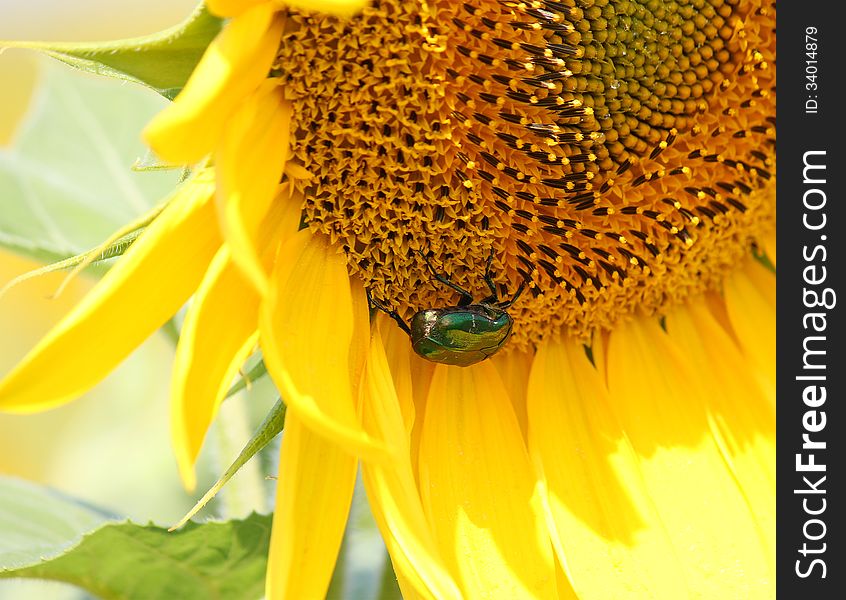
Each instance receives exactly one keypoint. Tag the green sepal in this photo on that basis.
(78, 262)
(150, 163)
(162, 61)
(273, 424)
(248, 378)
(761, 256)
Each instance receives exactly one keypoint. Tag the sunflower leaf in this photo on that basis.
(162, 61)
(67, 184)
(37, 521)
(139, 562)
(269, 429)
(47, 535)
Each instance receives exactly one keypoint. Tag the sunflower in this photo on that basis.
(614, 159)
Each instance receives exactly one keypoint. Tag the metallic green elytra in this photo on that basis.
(461, 335)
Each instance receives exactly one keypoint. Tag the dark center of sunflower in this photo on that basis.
(615, 155)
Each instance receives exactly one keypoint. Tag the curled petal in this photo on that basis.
(307, 324)
(397, 349)
(234, 65)
(411, 376)
(249, 161)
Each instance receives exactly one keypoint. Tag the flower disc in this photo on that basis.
(616, 155)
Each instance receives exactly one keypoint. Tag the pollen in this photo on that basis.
(616, 156)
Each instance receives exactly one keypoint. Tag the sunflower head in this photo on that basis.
(614, 156)
(488, 173)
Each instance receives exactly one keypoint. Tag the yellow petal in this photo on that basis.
(307, 324)
(750, 301)
(232, 8)
(478, 488)
(137, 296)
(344, 8)
(249, 164)
(392, 490)
(397, 348)
(412, 376)
(741, 417)
(769, 244)
(219, 333)
(313, 496)
(234, 65)
(360, 342)
(513, 367)
(563, 585)
(606, 534)
(282, 219)
(665, 417)
(421, 379)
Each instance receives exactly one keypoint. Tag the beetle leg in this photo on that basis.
(466, 297)
(391, 313)
(507, 305)
(489, 280)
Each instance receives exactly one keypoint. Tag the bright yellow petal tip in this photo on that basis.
(234, 65)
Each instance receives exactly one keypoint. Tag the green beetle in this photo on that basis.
(460, 335)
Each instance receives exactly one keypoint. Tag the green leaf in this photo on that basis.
(38, 522)
(47, 535)
(225, 560)
(67, 184)
(273, 424)
(162, 61)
